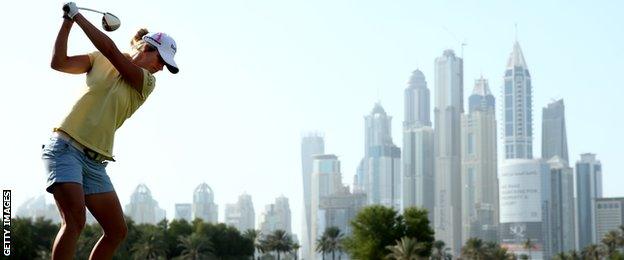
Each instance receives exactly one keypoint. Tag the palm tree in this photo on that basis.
(322, 245)
(150, 246)
(278, 241)
(295, 249)
(592, 251)
(406, 249)
(493, 250)
(334, 240)
(612, 241)
(254, 236)
(440, 251)
(195, 247)
(561, 256)
(474, 249)
(529, 245)
(574, 255)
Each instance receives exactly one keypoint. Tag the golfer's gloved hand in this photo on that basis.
(70, 9)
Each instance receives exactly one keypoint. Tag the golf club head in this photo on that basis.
(110, 22)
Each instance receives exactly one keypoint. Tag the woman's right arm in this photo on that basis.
(74, 64)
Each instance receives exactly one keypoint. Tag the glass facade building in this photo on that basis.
(517, 108)
(447, 145)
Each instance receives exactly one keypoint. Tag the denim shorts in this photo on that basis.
(64, 163)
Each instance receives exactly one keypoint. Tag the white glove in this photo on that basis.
(70, 9)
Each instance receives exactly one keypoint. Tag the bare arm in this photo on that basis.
(129, 72)
(75, 64)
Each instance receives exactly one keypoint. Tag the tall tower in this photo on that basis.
(143, 208)
(447, 111)
(326, 181)
(588, 189)
(554, 138)
(382, 161)
(276, 216)
(517, 107)
(524, 182)
(562, 206)
(311, 144)
(203, 204)
(417, 104)
(479, 166)
(418, 159)
(241, 214)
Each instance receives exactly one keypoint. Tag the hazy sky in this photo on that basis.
(256, 75)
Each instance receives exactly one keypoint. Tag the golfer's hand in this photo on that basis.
(70, 9)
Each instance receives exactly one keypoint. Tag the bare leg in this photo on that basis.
(107, 211)
(70, 201)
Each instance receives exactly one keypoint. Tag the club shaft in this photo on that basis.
(89, 9)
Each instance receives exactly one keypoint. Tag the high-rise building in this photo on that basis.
(561, 206)
(608, 215)
(417, 102)
(588, 188)
(517, 107)
(382, 161)
(311, 144)
(36, 207)
(276, 216)
(479, 166)
(241, 214)
(447, 111)
(203, 204)
(524, 182)
(554, 138)
(326, 180)
(183, 211)
(378, 174)
(524, 197)
(143, 208)
(417, 157)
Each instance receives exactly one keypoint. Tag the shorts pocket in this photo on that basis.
(54, 148)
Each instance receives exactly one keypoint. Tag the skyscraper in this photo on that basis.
(241, 214)
(561, 206)
(479, 166)
(517, 106)
(143, 208)
(524, 182)
(588, 188)
(183, 211)
(311, 144)
(203, 204)
(382, 161)
(416, 102)
(447, 111)
(276, 216)
(608, 215)
(326, 180)
(554, 138)
(417, 157)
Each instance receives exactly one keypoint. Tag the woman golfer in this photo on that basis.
(76, 156)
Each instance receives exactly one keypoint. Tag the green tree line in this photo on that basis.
(377, 232)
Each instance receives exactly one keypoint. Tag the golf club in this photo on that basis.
(110, 22)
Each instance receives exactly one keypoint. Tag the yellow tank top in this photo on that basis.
(107, 101)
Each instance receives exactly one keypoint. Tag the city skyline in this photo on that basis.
(388, 48)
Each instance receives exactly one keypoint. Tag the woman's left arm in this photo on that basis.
(133, 74)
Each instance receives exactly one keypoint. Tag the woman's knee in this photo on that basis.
(74, 224)
(117, 234)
